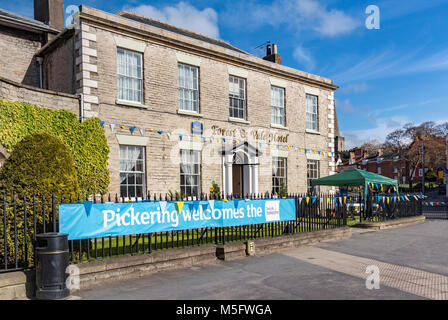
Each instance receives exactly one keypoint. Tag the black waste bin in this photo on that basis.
(51, 265)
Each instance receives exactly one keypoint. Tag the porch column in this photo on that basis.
(227, 174)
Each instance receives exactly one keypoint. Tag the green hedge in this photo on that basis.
(86, 141)
(40, 164)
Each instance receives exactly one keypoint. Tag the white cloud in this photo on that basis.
(354, 88)
(182, 15)
(383, 126)
(345, 106)
(304, 57)
(299, 15)
(391, 63)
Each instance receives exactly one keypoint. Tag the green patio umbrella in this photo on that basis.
(355, 177)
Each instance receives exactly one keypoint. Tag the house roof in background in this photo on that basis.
(24, 23)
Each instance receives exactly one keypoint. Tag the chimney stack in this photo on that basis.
(273, 55)
(50, 12)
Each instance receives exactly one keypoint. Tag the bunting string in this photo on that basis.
(210, 139)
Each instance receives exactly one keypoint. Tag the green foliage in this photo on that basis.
(430, 175)
(40, 164)
(86, 141)
(215, 191)
(283, 191)
(176, 195)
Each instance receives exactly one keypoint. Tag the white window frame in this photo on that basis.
(123, 157)
(237, 100)
(278, 106)
(130, 74)
(193, 158)
(312, 112)
(279, 163)
(188, 83)
(315, 170)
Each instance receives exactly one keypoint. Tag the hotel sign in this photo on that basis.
(197, 128)
(261, 135)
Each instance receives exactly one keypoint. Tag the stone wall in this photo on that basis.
(59, 67)
(17, 61)
(10, 90)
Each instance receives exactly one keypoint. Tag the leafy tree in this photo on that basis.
(38, 166)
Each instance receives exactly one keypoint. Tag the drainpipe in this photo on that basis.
(81, 106)
(40, 60)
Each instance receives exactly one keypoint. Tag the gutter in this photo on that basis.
(20, 24)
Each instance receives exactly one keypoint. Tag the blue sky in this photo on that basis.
(387, 77)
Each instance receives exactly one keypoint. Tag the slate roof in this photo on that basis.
(10, 17)
(171, 28)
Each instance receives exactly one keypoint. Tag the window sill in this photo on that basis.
(312, 131)
(278, 126)
(131, 104)
(231, 119)
(190, 113)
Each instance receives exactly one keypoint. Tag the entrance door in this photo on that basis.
(237, 179)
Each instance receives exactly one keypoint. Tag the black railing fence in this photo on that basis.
(435, 209)
(22, 218)
(382, 207)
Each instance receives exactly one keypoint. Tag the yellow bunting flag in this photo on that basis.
(307, 200)
(179, 206)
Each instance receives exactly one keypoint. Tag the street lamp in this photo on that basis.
(423, 168)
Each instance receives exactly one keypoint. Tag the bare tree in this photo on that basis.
(407, 144)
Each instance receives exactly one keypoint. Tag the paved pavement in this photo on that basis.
(411, 261)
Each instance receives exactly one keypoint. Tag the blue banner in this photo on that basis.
(94, 220)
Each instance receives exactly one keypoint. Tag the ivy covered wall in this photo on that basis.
(86, 140)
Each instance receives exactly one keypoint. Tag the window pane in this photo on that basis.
(132, 171)
(130, 75)
(190, 172)
(312, 112)
(278, 105)
(188, 88)
(279, 174)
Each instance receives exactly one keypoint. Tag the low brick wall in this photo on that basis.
(100, 272)
(401, 222)
(13, 91)
(17, 285)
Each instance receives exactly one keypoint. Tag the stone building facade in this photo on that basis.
(176, 133)
(20, 39)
